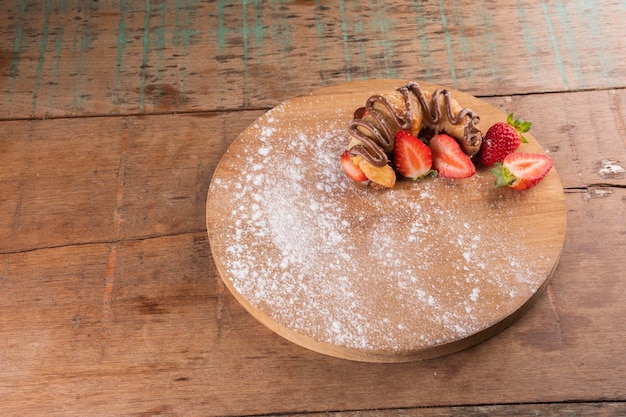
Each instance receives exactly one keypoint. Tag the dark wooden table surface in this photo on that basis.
(113, 118)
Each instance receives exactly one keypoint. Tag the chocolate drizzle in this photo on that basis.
(374, 125)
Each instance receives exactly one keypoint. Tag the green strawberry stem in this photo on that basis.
(504, 177)
(521, 126)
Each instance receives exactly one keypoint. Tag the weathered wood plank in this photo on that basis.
(71, 181)
(145, 326)
(67, 58)
(111, 304)
(585, 133)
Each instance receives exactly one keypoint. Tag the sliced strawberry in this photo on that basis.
(449, 160)
(412, 158)
(521, 171)
(353, 171)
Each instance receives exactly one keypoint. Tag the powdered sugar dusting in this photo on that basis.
(393, 270)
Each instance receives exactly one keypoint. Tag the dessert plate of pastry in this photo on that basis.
(386, 220)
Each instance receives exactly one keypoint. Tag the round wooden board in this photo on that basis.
(422, 270)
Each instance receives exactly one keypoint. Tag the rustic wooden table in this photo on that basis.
(113, 119)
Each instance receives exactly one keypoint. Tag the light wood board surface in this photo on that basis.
(425, 269)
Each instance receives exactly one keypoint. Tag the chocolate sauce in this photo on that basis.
(375, 130)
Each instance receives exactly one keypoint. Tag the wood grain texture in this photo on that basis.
(113, 325)
(110, 327)
(48, 203)
(110, 303)
(76, 181)
(62, 58)
(589, 139)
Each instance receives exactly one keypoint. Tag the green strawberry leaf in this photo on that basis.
(524, 126)
(504, 177)
(510, 119)
(521, 126)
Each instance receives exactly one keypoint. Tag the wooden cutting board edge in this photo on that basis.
(366, 88)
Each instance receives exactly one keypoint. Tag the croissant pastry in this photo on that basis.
(410, 109)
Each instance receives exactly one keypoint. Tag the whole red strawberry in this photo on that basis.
(502, 139)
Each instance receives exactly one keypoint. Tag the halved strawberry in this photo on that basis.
(521, 171)
(353, 171)
(412, 158)
(449, 160)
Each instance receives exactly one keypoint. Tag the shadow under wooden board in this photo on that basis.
(425, 269)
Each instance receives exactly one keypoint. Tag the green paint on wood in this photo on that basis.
(17, 48)
(43, 43)
(570, 42)
(383, 25)
(81, 46)
(185, 18)
(121, 46)
(357, 34)
(529, 41)
(245, 52)
(426, 63)
(258, 30)
(345, 39)
(221, 28)
(281, 32)
(448, 40)
(458, 23)
(159, 47)
(56, 59)
(321, 45)
(252, 36)
(591, 15)
(19, 37)
(483, 20)
(144, 56)
(184, 34)
(555, 44)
